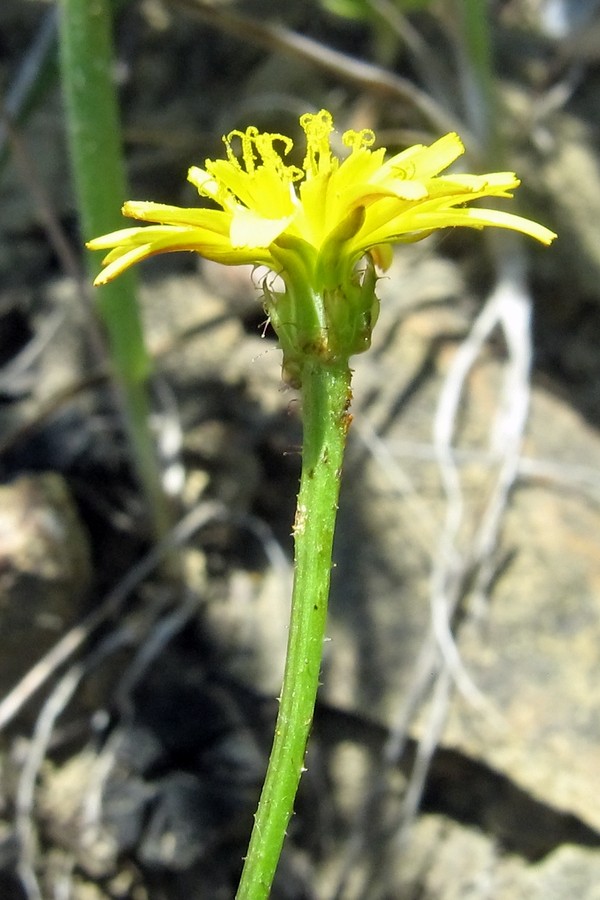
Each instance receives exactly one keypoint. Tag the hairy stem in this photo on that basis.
(326, 397)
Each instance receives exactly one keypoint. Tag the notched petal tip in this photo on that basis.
(450, 139)
(545, 236)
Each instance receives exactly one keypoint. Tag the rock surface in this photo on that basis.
(45, 569)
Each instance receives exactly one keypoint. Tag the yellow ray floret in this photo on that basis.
(265, 206)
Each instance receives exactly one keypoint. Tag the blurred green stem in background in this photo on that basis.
(87, 73)
(478, 75)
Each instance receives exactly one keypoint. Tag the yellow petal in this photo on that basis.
(263, 189)
(214, 219)
(122, 261)
(205, 184)
(473, 217)
(382, 255)
(420, 162)
(111, 240)
(251, 230)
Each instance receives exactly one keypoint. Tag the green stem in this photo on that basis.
(326, 397)
(478, 72)
(87, 73)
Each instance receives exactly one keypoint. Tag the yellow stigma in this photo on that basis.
(317, 128)
(258, 150)
(357, 140)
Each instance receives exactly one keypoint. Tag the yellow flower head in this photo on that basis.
(313, 224)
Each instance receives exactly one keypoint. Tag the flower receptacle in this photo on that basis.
(328, 324)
